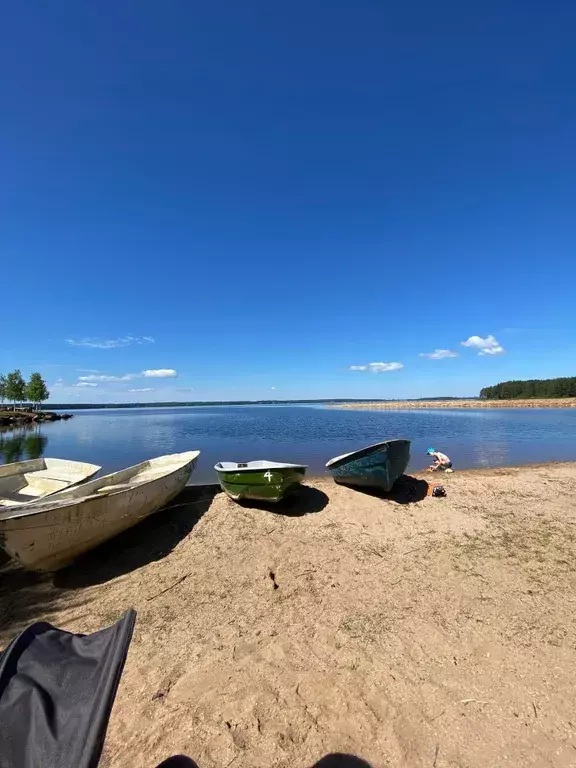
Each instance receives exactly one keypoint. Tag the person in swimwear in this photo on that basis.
(441, 461)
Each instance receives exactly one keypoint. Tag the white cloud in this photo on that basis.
(377, 367)
(122, 341)
(144, 389)
(102, 377)
(160, 373)
(272, 388)
(184, 389)
(487, 346)
(497, 350)
(86, 384)
(383, 367)
(87, 370)
(439, 354)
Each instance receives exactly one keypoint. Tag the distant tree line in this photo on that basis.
(515, 390)
(15, 389)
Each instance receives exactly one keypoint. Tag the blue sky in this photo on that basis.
(258, 196)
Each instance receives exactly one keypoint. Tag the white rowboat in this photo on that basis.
(26, 481)
(47, 535)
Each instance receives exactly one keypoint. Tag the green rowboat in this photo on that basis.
(259, 480)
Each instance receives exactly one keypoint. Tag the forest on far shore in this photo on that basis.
(517, 390)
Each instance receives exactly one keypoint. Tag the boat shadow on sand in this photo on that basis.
(406, 490)
(152, 539)
(305, 501)
(24, 595)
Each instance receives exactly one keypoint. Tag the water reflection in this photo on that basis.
(490, 440)
(25, 442)
(488, 455)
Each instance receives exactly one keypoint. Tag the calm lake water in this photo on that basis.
(308, 434)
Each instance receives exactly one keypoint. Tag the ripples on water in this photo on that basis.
(311, 435)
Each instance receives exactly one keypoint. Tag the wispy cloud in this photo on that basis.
(144, 389)
(487, 346)
(184, 389)
(86, 384)
(439, 354)
(121, 341)
(87, 370)
(377, 367)
(160, 373)
(104, 378)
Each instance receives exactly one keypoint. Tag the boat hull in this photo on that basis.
(56, 533)
(261, 485)
(378, 466)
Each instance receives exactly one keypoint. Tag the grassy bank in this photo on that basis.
(564, 402)
(410, 631)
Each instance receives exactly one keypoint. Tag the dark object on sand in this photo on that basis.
(438, 490)
(377, 466)
(56, 694)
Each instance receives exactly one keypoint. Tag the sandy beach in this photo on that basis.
(561, 402)
(408, 630)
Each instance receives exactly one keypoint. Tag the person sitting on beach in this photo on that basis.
(441, 461)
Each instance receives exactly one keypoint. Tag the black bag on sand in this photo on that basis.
(56, 694)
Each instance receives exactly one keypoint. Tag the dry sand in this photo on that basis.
(410, 631)
(562, 402)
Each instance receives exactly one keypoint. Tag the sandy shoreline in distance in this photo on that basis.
(410, 630)
(565, 402)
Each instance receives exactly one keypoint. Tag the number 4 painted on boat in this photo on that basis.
(268, 476)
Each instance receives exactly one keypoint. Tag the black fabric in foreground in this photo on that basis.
(56, 694)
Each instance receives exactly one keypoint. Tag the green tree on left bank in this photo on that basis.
(15, 388)
(36, 390)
